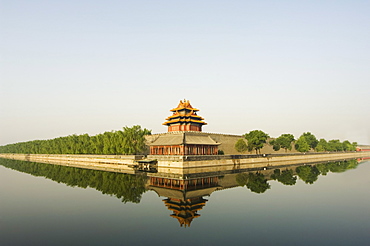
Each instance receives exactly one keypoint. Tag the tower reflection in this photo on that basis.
(184, 196)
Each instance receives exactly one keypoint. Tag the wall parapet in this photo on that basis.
(234, 157)
(197, 132)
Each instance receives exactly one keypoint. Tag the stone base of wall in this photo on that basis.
(111, 163)
(198, 164)
(184, 164)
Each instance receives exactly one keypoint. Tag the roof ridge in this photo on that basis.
(198, 132)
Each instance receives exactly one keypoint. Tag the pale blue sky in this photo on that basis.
(74, 67)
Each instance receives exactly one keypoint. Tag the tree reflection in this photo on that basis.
(285, 177)
(309, 174)
(242, 179)
(337, 167)
(258, 182)
(255, 182)
(129, 188)
(126, 187)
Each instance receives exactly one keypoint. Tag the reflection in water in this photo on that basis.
(308, 174)
(128, 188)
(185, 194)
(185, 210)
(185, 197)
(256, 182)
(285, 177)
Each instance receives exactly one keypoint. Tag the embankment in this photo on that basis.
(185, 164)
(196, 164)
(110, 163)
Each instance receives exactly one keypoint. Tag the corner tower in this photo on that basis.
(184, 136)
(184, 118)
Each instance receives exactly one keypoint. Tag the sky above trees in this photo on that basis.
(75, 67)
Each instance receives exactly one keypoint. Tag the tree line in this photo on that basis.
(256, 140)
(130, 140)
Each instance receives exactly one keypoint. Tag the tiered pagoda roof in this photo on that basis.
(184, 113)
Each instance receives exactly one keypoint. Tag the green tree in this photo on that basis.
(322, 145)
(240, 145)
(275, 145)
(347, 146)
(129, 141)
(107, 143)
(311, 139)
(220, 152)
(133, 140)
(284, 141)
(256, 140)
(301, 145)
(335, 145)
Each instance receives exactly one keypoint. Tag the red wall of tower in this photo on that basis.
(175, 128)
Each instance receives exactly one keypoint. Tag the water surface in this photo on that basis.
(324, 204)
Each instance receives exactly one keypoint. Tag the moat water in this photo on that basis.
(321, 204)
